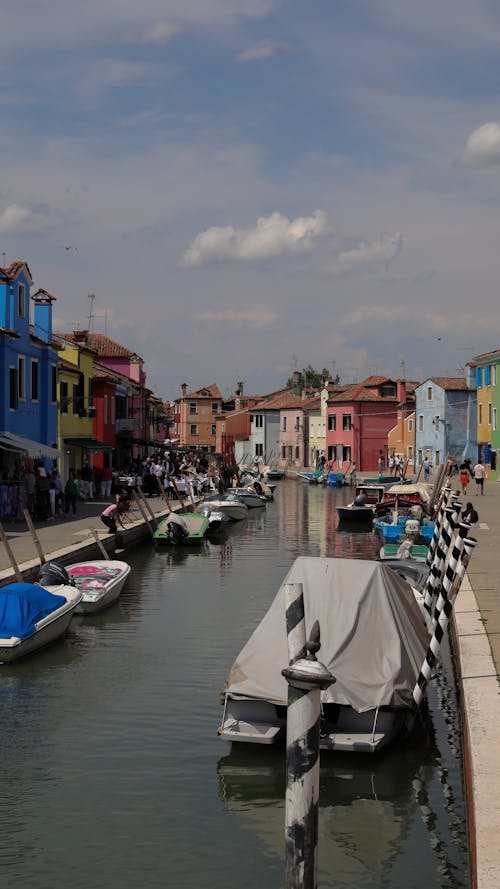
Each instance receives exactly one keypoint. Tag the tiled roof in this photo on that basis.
(494, 355)
(213, 392)
(282, 399)
(450, 383)
(102, 345)
(12, 271)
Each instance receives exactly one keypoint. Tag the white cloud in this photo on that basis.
(18, 220)
(263, 50)
(367, 255)
(273, 235)
(483, 147)
(159, 33)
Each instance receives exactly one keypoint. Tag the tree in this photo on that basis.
(308, 378)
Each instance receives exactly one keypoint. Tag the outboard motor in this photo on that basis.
(258, 488)
(360, 500)
(177, 532)
(53, 574)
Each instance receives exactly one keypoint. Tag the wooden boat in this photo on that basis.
(100, 581)
(373, 640)
(182, 529)
(402, 498)
(32, 616)
(362, 508)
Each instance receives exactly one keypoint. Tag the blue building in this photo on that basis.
(28, 368)
(445, 419)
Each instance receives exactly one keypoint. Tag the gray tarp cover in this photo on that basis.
(373, 637)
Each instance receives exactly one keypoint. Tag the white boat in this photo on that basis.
(373, 640)
(252, 499)
(217, 520)
(32, 616)
(100, 582)
(230, 504)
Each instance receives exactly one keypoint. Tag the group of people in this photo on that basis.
(476, 473)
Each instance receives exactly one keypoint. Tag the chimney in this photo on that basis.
(401, 391)
(184, 389)
(80, 336)
(42, 315)
(239, 388)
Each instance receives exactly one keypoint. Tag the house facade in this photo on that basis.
(486, 369)
(28, 367)
(445, 412)
(197, 421)
(265, 426)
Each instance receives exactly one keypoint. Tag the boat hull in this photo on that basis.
(48, 630)
(100, 582)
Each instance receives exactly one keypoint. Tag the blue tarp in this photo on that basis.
(22, 605)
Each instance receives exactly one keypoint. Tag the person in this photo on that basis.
(106, 481)
(464, 476)
(391, 465)
(111, 515)
(380, 464)
(427, 468)
(397, 465)
(469, 514)
(479, 473)
(70, 493)
(52, 500)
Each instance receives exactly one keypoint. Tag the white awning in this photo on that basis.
(9, 441)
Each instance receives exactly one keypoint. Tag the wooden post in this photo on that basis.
(34, 535)
(141, 509)
(178, 494)
(99, 542)
(12, 558)
(163, 493)
(147, 506)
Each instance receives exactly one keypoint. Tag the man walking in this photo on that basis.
(479, 473)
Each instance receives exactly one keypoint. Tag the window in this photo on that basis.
(420, 457)
(34, 380)
(284, 424)
(193, 407)
(346, 424)
(297, 424)
(494, 420)
(437, 461)
(493, 374)
(193, 429)
(214, 429)
(436, 422)
(297, 453)
(64, 398)
(283, 451)
(54, 383)
(409, 454)
(21, 378)
(332, 453)
(332, 422)
(105, 409)
(489, 413)
(259, 449)
(259, 421)
(388, 391)
(420, 422)
(480, 413)
(13, 388)
(429, 393)
(410, 425)
(215, 407)
(346, 453)
(21, 301)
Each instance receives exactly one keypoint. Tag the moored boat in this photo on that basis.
(373, 640)
(32, 616)
(100, 581)
(230, 504)
(249, 496)
(182, 529)
(362, 508)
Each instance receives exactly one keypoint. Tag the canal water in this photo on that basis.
(112, 773)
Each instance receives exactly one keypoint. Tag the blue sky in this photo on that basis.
(252, 186)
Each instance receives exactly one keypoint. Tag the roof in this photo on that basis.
(14, 269)
(285, 398)
(485, 357)
(211, 391)
(449, 383)
(103, 345)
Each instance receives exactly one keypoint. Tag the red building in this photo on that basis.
(359, 420)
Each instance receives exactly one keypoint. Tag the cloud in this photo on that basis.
(18, 220)
(257, 317)
(369, 254)
(259, 51)
(159, 33)
(483, 147)
(273, 235)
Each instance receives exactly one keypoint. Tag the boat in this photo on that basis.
(32, 616)
(272, 473)
(362, 508)
(265, 489)
(230, 504)
(252, 499)
(405, 526)
(217, 520)
(403, 498)
(181, 529)
(334, 479)
(314, 478)
(373, 640)
(407, 549)
(100, 581)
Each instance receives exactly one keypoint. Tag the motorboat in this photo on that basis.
(32, 616)
(257, 484)
(373, 640)
(407, 549)
(230, 504)
(182, 529)
(100, 582)
(398, 527)
(217, 520)
(252, 499)
(405, 498)
(362, 508)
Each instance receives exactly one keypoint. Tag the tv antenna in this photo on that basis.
(91, 297)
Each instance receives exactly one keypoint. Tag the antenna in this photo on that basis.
(91, 297)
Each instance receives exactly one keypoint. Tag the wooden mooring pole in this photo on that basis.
(12, 558)
(38, 545)
(306, 676)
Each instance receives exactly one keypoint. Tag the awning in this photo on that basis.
(90, 444)
(9, 441)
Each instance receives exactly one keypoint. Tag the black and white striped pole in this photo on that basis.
(306, 677)
(434, 577)
(452, 567)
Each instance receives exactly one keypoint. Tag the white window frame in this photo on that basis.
(193, 428)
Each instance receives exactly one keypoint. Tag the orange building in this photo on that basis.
(198, 410)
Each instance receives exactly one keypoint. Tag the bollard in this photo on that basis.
(306, 677)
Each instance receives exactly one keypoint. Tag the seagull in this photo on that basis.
(71, 248)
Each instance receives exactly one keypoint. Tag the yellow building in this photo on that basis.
(76, 410)
(401, 438)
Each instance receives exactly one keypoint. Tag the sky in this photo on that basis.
(249, 187)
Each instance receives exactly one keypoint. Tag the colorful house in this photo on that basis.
(28, 369)
(265, 425)
(198, 410)
(359, 419)
(486, 368)
(445, 410)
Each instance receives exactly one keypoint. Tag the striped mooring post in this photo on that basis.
(306, 677)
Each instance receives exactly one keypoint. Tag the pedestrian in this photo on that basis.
(380, 464)
(397, 465)
(111, 515)
(463, 471)
(52, 500)
(427, 468)
(479, 473)
(106, 480)
(469, 514)
(70, 493)
(391, 465)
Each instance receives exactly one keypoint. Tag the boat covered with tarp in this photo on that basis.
(373, 641)
(32, 616)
